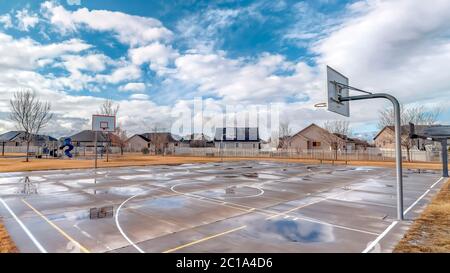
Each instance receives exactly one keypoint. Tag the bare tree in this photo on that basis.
(158, 139)
(30, 114)
(335, 134)
(284, 135)
(121, 138)
(418, 115)
(109, 108)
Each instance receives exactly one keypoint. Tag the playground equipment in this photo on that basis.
(68, 144)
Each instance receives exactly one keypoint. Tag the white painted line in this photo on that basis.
(378, 239)
(415, 202)
(120, 229)
(439, 180)
(27, 231)
(381, 236)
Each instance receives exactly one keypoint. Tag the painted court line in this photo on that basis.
(393, 224)
(22, 225)
(120, 228)
(204, 239)
(62, 232)
(244, 226)
(381, 236)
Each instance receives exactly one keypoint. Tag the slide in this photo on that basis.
(68, 144)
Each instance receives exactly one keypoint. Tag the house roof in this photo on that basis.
(89, 136)
(9, 136)
(419, 129)
(163, 136)
(195, 137)
(17, 135)
(240, 134)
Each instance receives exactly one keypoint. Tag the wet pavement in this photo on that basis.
(214, 207)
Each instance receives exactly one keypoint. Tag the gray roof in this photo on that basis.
(9, 136)
(419, 129)
(237, 134)
(18, 136)
(163, 137)
(89, 136)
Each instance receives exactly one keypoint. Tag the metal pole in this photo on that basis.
(398, 147)
(444, 158)
(95, 147)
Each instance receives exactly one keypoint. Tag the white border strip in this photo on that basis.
(378, 239)
(392, 225)
(120, 229)
(27, 231)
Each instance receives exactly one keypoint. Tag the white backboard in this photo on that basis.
(103, 123)
(334, 91)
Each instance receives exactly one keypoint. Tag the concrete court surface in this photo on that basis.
(245, 206)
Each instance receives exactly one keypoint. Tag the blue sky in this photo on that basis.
(154, 57)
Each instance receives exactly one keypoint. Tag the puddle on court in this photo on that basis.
(298, 231)
(165, 203)
(121, 191)
(233, 192)
(70, 215)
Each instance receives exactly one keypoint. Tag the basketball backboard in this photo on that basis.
(335, 91)
(437, 131)
(103, 123)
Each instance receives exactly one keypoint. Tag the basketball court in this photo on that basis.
(248, 206)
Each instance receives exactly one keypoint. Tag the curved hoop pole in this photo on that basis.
(398, 147)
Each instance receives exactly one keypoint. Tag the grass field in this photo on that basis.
(19, 164)
(6, 244)
(431, 231)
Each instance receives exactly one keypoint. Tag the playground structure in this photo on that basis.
(67, 143)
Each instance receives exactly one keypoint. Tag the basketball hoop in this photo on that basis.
(320, 105)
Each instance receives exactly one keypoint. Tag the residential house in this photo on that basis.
(237, 138)
(18, 138)
(385, 139)
(314, 137)
(196, 141)
(86, 138)
(157, 143)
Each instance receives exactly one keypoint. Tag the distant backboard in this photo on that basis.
(437, 131)
(335, 90)
(103, 123)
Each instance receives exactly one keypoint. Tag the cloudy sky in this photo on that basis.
(154, 57)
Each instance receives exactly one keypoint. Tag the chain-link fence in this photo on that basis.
(365, 155)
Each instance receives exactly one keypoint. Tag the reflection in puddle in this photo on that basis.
(166, 203)
(71, 215)
(28, 187)
(122, 191)
(299, 231)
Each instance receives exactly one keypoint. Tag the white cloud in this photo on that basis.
(90, 62)
(26, 19)
(6, 21)
(132, 87)
(402, 47)
(129, 29)
(157, 54)
(123, 73)
(268, 78)
(139, 97)
(26, 53)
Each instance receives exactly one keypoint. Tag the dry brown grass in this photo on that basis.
(6, 244)
(19, 164)
(431, 231)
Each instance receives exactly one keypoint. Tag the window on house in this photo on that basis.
(316, 144)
